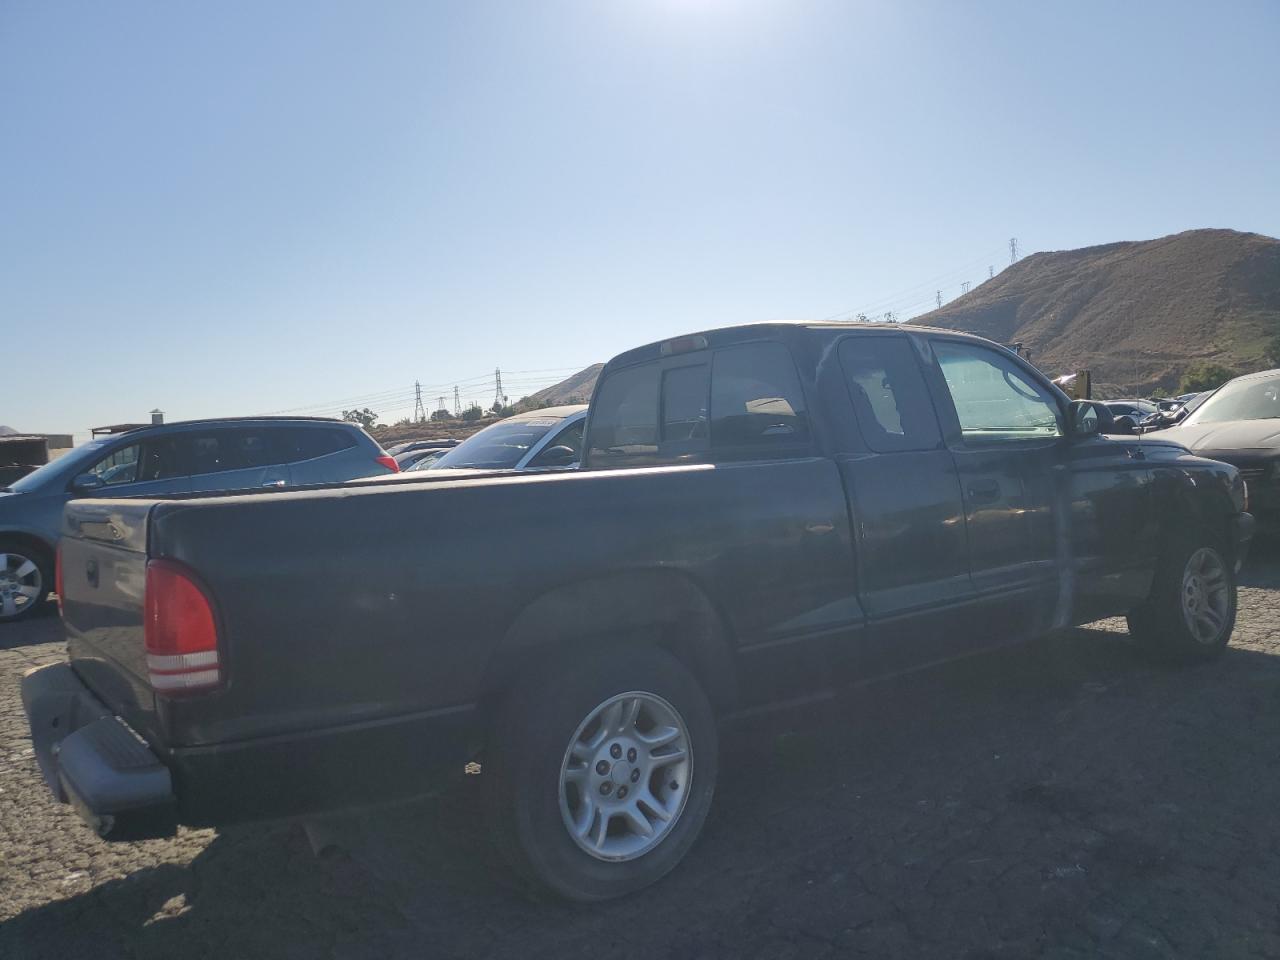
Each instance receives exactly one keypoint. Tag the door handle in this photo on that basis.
(984, 491)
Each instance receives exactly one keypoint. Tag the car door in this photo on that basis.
(907, 511)
(231, 458)
(1006, 430)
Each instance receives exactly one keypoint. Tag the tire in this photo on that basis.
(26, 577)
(550, 767)
(1191, 610)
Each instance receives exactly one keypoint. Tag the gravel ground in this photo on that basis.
(1062, 799)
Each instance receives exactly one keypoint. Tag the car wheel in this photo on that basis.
(1192, 607)
(601, 772)
(25, 581)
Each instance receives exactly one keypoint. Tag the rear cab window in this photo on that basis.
(741, 401)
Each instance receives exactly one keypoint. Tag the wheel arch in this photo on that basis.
(665, 608)
(30, 540)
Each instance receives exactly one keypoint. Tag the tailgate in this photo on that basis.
(104, 567)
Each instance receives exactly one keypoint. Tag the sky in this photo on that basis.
(235, 208)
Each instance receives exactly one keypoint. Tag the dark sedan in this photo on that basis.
(1240, 424)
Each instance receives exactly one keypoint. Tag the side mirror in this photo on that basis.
(87, 483)
(1087, 418)
(557, 456)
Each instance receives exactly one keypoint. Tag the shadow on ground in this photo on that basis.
(1060, 799)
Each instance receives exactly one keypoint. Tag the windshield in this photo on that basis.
(82, 455)
(500, 446)
(1251, 399)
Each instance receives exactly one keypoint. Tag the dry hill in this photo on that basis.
(1135, 313)
(576, 389)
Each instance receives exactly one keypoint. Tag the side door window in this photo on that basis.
(757, 405)
(995, 401)
(685, 414)
(147, 467)
(229, 459)
(118, 467)
(890, 400)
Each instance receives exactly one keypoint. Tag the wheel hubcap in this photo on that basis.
(20, 584)
(625, 776)
(1206, 597)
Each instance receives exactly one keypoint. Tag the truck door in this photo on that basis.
(1005, 431)
(906, 508)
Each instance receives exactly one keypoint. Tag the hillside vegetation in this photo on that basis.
(1137, 314)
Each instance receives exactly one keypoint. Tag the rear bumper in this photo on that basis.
(126, 790)
(91, 760)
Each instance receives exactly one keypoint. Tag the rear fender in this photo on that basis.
(662, 607)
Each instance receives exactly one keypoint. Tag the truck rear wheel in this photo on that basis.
(1191, 611)
(25, 581)
(601, 772)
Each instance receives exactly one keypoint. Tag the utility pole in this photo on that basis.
(1013, 249)
(419, 412)
(964, 288)
(991, 272)
(499, 398)
(937, 301)
(457, 403)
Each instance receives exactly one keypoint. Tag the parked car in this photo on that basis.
(763, 513)
(404, 446)
(1240, 424)
(409, 459)
(173, 458)
(545, 439)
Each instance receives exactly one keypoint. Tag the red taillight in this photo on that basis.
(57, 575)
(389, 463)
(180, 634)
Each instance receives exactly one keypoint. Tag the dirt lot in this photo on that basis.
(1065, 799)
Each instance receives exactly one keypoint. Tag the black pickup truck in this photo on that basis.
(763, 513)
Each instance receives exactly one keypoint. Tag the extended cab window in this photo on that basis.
(648, 414)
(889, 397)
(624, 423)
(994, 399)
(757, 405)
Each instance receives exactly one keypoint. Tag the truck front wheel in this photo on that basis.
(601, 772)
(1192, 607)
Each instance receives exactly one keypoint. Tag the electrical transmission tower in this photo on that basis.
(991, 272)
(419, 411)
(964, 287)
(440, 407)
(1013, 249)
(499, 398)
(937, 301)
(457, 403)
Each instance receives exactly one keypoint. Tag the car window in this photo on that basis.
(159, 460)
(994, 399)
(1249, 398)
(887, 389)
(500, 446)
(214, 451)
(624, 420)
(570, 436)
(119, 466)
(306, 443)
(756, 400)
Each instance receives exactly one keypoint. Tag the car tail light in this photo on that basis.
(389, 463)
(57, 575)
(180, 633)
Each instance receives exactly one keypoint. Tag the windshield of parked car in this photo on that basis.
(1245, 399)
(500, 446)
(82, 456)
